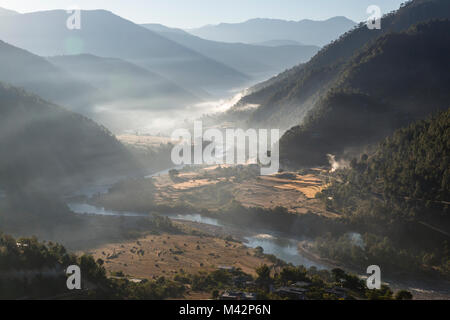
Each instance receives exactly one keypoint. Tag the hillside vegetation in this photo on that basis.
(400, 78)
(252, 59)
(34, 270)
(44, 146)
(400, 195)
(285, 100)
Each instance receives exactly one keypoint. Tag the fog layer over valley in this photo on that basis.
(113, 69)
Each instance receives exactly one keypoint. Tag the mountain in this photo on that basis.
(7, 12)
(310, 32)
(124, 83)
(278, 43)
(399, 193)
(24, 69)
(44, 146)
(410, 164)
(107, 35)
(156, 27)
(284, 100)
(258, 61)
(399, 78)
(102, 89)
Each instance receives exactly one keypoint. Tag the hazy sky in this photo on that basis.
(195, 13)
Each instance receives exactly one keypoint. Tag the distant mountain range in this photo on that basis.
(94, 86)
(192, 64)
(107, 35)
(257, 60)
(6, 12)
(318, 33)
(112, 63)
(24, 69)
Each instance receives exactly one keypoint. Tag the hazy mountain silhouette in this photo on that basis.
(305, 31)
(24, 69)
(107, 35)
(7, 12)
(44, 146)
(157, 27)
(278, 43)
(256, 60)
(398, 79)
(125, 83)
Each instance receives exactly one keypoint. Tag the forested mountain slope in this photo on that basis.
(398, 196)
(44, 147)
(399, 78)
(285, 100)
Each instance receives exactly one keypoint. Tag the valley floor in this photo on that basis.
(167, 255)
(204, 247)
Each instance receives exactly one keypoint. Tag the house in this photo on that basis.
(241, 281)
(237, 295)
(301, 284)
(292, 293)
(341, 293)
(227, 268)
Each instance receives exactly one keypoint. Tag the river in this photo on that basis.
(272, 242)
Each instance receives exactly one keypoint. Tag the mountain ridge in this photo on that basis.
(34, 73)
(284, 100)
(252, 59)
(261, 29)
(410, 81)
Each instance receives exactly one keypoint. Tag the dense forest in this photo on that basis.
(399, 197)
(46, 153)
(400, 78)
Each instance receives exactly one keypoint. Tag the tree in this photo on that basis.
(293, 274)
(263, 279)
(338, 275)
(384, 293)
(403, 295)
